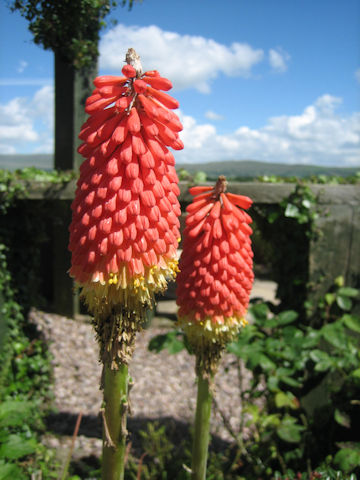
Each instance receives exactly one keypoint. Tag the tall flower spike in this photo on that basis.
(216, 275)
(125, 229)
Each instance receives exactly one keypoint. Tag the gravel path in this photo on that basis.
(164, 385)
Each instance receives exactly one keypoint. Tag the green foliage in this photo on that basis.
(300, 404)
(160, 458)
(174, 341)
(301, 206)
(9, 190)
(320, 178)
(266, 172)
(309, 367)
(196, 178)
(183, 174)
(24, 362)
(68, 28)
(199, 177)
(24, 388)
(12, 184)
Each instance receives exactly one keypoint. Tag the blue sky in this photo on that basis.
(276, 80)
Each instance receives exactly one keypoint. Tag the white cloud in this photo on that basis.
(278, 59)
(213, 115)
(195, 136)
(42, 105)
(15, 124)
(318, 135)
(27, 123)
(190, 61)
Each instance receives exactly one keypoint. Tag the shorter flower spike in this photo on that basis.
(216, 274)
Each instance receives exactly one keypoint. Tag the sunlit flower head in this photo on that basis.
(216, 274)
(125, 229)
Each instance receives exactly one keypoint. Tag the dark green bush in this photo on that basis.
(301, 403)
(24, 360)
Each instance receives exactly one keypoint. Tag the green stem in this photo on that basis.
(114, 416)
(202, 430)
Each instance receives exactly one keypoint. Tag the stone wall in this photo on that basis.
(335, 252)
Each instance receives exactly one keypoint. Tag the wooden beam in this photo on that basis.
(72, 87)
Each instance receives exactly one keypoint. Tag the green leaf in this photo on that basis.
(273, 383)
(293, 338)
(339, 281)
(200, 177)
(322, 360)
(183, 174)
(236, 349)
(286, 399)
(13, 413)
(352, 322)
(348, 292)
(334, 334)
(266, 363)
(259, 312)
(10, 471)
(282, 371)
(320, 356)
(272, 420)
(255, 359)
(311, 339)
(356, 373)
(342, 418)
(289, 316)
(291, 211)
(343, 302)
(347, 459)
(158, 343)
(306, 203)
(170, 341)
(290, 381)
(289, 431)
(329, 298)
(273, 216)
(175, 346)
(17, 447)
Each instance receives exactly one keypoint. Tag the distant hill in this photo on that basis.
(237, 168)
(251, 168)
(13, 162)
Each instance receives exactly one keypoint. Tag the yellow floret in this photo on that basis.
(211, 331)
(133, 293)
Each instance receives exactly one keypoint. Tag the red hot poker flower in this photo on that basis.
(125, 229)
(216, 273)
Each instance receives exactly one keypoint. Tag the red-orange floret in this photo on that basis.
(125, 228)
(216, 275)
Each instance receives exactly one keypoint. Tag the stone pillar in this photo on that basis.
(72, 87)
(336, 251)
(65, 297)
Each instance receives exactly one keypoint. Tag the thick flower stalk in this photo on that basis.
(125, 229)
(213, 289)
